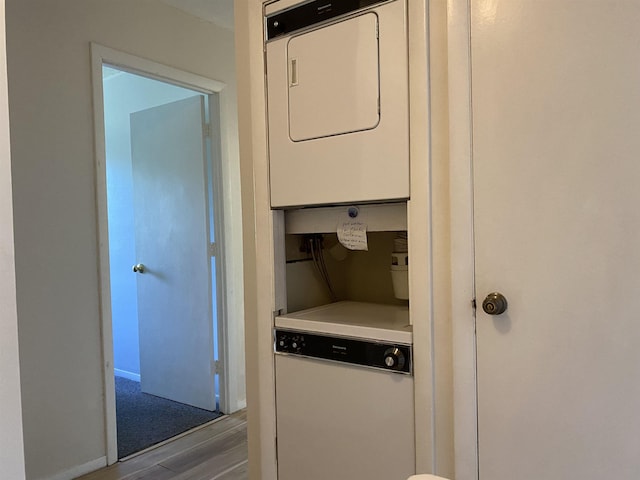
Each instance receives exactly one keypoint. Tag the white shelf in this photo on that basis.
(353, 319)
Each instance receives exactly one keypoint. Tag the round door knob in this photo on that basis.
(494, 304)
(394, 358)
(139, 268)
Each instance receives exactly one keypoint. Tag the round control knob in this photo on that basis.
(394, 358)
(297, 342)
(283, 343)
(494, 304)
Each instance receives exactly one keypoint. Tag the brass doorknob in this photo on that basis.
(494, 304)
(139, 268)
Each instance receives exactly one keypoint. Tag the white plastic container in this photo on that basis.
(400, 275)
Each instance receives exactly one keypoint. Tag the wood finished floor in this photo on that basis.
(215, 452)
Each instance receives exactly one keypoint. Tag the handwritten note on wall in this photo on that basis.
(352, 234)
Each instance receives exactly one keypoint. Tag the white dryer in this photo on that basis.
(338, 116)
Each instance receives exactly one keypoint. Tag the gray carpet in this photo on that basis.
(144, 420)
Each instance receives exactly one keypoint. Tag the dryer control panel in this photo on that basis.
(311, 13)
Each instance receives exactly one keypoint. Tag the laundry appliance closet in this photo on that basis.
(341, 208)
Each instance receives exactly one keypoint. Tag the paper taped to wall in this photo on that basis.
(353, 234)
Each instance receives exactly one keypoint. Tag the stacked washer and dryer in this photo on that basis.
(338, 120)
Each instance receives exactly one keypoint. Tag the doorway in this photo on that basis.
(164, 311)
(161, 139)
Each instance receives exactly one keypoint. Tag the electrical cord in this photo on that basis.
(315, 247)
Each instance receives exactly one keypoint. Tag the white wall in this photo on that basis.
(11, 448)
(55, 207)
(125, 93)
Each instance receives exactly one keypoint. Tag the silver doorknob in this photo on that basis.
(139, 268)
(494, 304)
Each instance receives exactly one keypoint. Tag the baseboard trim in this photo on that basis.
(124, 374)
(80, 470)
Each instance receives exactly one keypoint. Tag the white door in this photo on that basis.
(334, 69)
(172, 242)
(556, 142)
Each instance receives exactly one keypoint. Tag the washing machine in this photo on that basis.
(344, 393)
(337, 101)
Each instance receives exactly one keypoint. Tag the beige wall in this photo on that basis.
(11, 448)
(55, 206)
(441, 228)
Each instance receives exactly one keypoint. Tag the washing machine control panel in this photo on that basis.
(366, 353)
(289, 342)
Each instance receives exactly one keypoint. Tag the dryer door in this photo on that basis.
(334, 80)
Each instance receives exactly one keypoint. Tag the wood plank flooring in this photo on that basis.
(215, 452)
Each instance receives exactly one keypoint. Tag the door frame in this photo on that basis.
(217, 97)
(462, 240)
